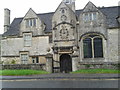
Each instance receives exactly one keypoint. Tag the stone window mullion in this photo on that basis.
(92, 47)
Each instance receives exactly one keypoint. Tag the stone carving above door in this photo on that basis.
(63, 18)
(64, 33)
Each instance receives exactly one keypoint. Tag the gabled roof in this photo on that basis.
(62, 3)
(30, 11)
(110, 12)
(90, 7)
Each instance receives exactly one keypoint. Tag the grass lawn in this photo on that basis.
(95, 71)
(37, 72)
(21, 72)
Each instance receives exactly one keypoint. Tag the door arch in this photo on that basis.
(65, 63)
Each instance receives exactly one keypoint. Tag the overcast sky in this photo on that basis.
(20, 7)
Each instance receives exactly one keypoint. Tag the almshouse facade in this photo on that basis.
(63, 39)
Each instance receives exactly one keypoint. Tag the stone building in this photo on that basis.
(63, 39)
(0, 46)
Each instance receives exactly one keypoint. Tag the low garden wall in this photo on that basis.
(94, 65)
(24, 66)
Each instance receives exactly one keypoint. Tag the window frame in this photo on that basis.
(92, 43)
(90, 16)
(100, 46)
(21, 57)
(35, 59)
(30, 22)
(27, 41)
(86, 47)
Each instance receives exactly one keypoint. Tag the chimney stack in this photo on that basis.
(6, 19)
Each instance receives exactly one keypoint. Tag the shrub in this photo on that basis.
(87, 66)
(1, 62)
(13, 62)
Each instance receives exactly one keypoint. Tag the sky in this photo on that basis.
(20, 7)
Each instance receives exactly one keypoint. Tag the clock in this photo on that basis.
(63, 18)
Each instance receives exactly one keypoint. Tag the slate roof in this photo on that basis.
(119, 10)
(111, 12)
(47, 19)
(14, 28)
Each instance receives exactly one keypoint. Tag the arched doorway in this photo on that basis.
(65, 63)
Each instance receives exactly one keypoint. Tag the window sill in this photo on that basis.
(27, 46)
(93, 58)
(30, 27)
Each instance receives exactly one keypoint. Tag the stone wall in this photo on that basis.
(119, 45)
(25, 66)
(17, 60)
(98, 66)
(13, 46)
(0, 46)
(10, 60)
(113, 45)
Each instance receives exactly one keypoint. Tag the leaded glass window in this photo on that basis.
(27, 40)
(98, 48)
(24, 58)
(93, 47)
(30, 22)
(87, 48)
(92, 16)
(35, 59)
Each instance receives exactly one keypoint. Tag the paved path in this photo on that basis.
(64, 76)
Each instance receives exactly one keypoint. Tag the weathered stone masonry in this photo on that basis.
(65, 40)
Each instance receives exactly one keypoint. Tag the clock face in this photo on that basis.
(64, 33)
(63, 18)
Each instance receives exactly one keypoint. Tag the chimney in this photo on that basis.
(6, 19)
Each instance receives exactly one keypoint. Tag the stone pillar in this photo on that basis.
(49, 63)
(56, 64)
(75, 59)
(74, 63)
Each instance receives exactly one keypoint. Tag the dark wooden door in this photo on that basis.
(65, 63)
